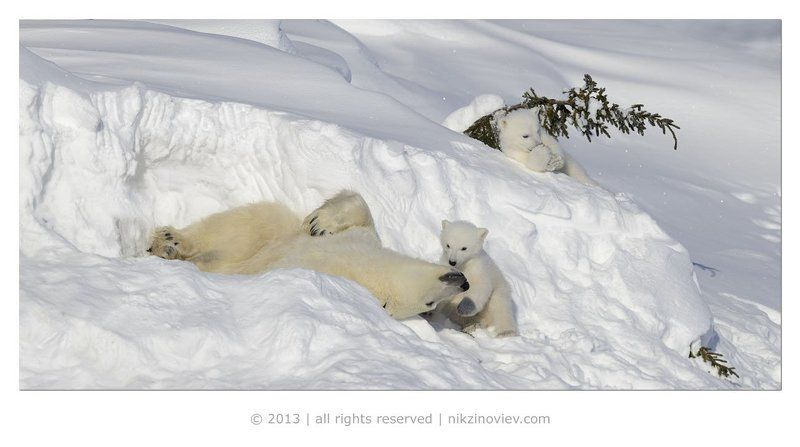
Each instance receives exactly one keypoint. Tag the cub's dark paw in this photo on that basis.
(466, 308)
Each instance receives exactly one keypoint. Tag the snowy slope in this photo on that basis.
(718, 194)
(122, 132)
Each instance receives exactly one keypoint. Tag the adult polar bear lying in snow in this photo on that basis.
(338, 238)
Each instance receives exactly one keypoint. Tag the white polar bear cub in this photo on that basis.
(487, 304)
(522, 139)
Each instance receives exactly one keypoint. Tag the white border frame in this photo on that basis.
(222, 418)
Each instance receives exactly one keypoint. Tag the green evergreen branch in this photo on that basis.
(556, 116)
(714, 359)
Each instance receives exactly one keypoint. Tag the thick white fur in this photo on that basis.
(462, 247)
(338, 238)
(522, 139)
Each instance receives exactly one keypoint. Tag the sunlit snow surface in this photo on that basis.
(125, 126)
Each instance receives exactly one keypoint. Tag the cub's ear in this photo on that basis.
(482, 232)
(445, 223)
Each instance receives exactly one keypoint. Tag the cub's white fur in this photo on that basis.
(487, 304)
(522, 139)
(338, 238)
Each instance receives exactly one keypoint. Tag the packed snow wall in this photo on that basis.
(604, 298)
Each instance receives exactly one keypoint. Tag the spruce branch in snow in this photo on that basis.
(586, 109)
(484, 129)
(714, 359)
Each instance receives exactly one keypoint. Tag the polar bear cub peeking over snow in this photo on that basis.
(521, 138)
(487, 304)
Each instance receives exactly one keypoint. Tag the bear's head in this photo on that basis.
(518, 133)
(461, 241)
(417, 286)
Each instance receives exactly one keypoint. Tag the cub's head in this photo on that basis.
(461, 241)
(519, 132)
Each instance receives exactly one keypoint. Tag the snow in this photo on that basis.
(461, 119)
(268, 32)
(120, 132)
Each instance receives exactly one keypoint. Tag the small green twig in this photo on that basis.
(714, 359)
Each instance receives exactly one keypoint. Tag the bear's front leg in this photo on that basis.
(475, 299)
(556, 163)
(538, 158)
(557, 159)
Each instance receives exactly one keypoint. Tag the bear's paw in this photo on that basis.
(467, 307)
(167, 243)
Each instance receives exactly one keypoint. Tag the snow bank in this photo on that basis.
(595, 280)
(268, 32)
(162, 325)
(720, 80)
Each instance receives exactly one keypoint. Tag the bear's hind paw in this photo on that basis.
(314, 226)
(345, 210)
(167, 243)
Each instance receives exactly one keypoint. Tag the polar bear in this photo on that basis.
(521, 138)
(487, 304)
(338, 238)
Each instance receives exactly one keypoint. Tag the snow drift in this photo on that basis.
(605, 299)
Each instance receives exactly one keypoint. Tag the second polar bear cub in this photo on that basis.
(487, 304)
(522, 139)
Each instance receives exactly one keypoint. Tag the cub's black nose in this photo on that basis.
(465, 286)
(452, 262)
